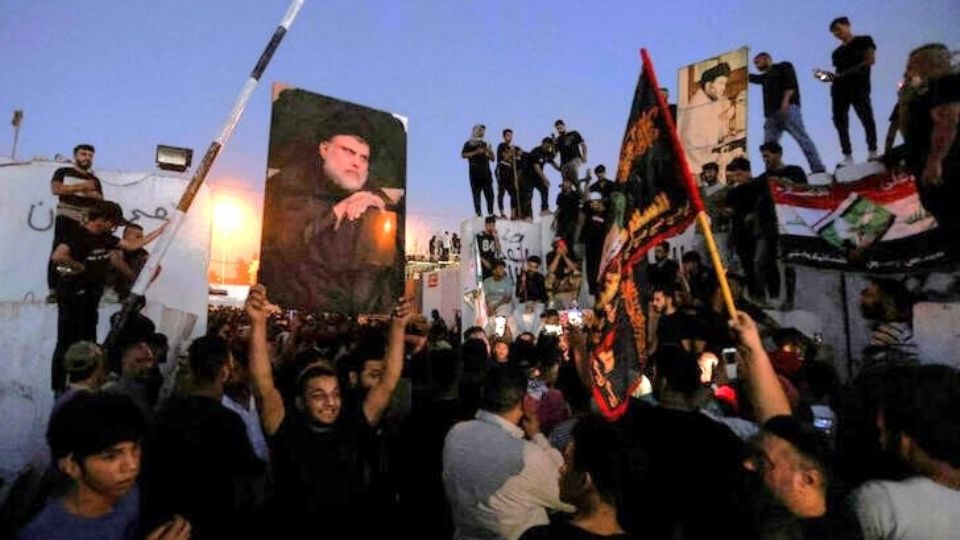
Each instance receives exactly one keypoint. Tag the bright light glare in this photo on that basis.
(227, 215)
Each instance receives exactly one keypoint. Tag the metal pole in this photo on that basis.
(845, 304)
(136, 298)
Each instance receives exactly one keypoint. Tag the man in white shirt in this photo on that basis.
(500, 479)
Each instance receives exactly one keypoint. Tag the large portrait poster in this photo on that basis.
(333, 217)
(712, 110)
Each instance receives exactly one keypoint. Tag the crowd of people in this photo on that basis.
(281, 424)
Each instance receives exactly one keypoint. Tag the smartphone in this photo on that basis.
(553, 329)
(729, 357)
(500, 325)
(823, 424)
(575, 318)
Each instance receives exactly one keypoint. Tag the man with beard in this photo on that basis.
(320, 453)
(573, 152)
(77, 190)
(590, 480)
(919, 425)
(930, 114)
(344, 260)
(889, 308)
(705, 120)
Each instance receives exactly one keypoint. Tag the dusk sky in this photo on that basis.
(127, 75)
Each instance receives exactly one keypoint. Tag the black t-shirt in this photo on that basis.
(664, 273)
(568, 206)
(322, 473)
(917, 132)
(671, 329)
(777, 80)
(93, 251)
(502, 157)
(569, 146)
(480, 163)
(537, 156)
(754, 212)
(595, 224)
(848, 55)
(194, 465)
(602, 187)
(71, 176)
(535, 290)
(562, 270)
(564, 530)
(487, 244)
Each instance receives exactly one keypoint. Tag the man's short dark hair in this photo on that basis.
(534, 259)
(805, 439)
(90, 423)
(712, 165)
(559, 122)
(79, 147)
(739, 164)
(838, 21)
(474, 331)
(314, 371)
(547, 140)
(665, 245)
(500, 263)
(691, 256)
(208, 355)
(132, 225)
(773, 147)
(593, 438)
(926, 407)
(720, 70)
(489, 219)
(762, 54)
(508, 130)
(503, 390)
(600, 169)
(668, 289)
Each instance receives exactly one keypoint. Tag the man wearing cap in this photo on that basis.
(82, 259)
(339, 253)
(705, 120)
(86, 366)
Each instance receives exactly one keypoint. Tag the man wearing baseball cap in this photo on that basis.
(82, 259)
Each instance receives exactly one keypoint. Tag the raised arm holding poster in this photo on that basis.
(333, 223)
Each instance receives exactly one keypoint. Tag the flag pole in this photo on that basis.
(694, 193)
(136, 298)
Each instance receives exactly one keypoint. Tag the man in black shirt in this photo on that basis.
(851, 85)
(568, 211)
(781, 106)
(531, 294)
(534, 177)
(573, 151)
(932, 103)
(319, 451)
(77, 190)
(198, 462)
(664, 270)
(507, 181)
(479, 154)
(740, 205)
(766, 228)
(594, 233)
(672, 324)
(489, 246)
(82, 259)
(603, 184)
(125, 270)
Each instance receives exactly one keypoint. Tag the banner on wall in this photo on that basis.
(334, 207)
(875, 225)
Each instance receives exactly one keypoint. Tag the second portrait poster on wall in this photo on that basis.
(334, 206)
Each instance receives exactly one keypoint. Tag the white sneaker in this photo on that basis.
(873, 155)
(846, 162)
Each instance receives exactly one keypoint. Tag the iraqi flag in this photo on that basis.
(874, 225)
(654, 199)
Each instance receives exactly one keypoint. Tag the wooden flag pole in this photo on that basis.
(693, 191)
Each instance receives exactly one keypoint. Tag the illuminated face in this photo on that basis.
(83, 159)
(322, 399)
(372, 373)
(133, 234)
(138, 361)
(111, 473)
(841, 32)
(561, 128)
(709, 176)
(501, 352)
(715, 88)
(508, 137)
(770, 159)
(778, 464)
(346, 161)
(659, 301)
